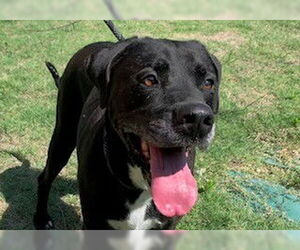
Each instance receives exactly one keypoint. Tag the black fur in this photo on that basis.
(54, 73)
(102, 100)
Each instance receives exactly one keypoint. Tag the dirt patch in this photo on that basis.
(282, 137)
(288, 154)
(294, 61)
(34, 151)
(256, 170)
(230, 37)
(8, 142)
(252, 97)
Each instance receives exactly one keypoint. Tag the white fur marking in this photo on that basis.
(137, 178)
(211, 135)
(136, 216)
(208, 139)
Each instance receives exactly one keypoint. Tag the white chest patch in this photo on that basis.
(137, 210)
(136, 216)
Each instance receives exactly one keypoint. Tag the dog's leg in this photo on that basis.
(59, 152)
(62, 144)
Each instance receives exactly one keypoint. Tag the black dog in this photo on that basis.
(139, 107)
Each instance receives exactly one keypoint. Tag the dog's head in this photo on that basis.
(161, 97)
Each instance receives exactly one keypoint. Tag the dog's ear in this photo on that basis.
(99, 69)
(218, 67)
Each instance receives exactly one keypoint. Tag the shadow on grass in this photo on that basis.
(18, 187)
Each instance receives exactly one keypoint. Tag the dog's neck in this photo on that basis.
(115, 149)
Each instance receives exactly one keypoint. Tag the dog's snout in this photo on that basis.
(197, 119)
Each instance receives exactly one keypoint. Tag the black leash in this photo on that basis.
(114, 30)
(115, 14)
(113, 11)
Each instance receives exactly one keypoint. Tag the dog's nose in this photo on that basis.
(196, 119)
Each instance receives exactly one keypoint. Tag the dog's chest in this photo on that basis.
(137, 211)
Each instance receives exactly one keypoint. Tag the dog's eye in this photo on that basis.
(208, 84)
(149, 81)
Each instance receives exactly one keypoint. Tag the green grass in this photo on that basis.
(259, 116)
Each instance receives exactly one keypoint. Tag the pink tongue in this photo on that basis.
(174, 189)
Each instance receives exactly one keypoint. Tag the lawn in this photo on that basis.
(258, 128)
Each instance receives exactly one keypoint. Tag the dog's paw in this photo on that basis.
(43, 222)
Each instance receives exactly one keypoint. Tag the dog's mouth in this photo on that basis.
(173, 187)
(162, 152)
